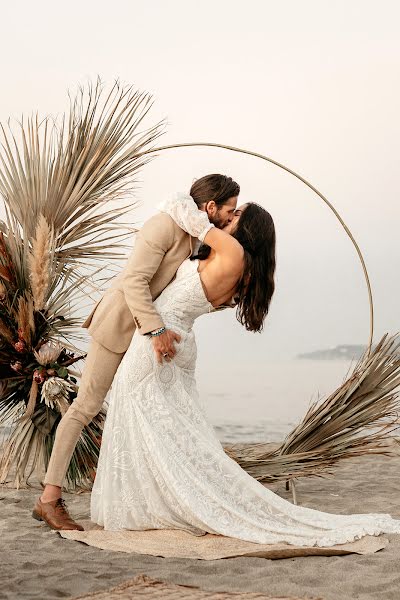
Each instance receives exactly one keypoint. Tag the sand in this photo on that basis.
(37, 563)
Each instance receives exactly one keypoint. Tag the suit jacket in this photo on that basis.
(161, 247)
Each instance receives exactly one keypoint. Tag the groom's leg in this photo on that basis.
(100, 367)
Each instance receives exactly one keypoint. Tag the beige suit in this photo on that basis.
(161, 247)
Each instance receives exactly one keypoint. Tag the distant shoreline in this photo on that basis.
(342, 352)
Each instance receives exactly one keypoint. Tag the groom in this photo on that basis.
(160, 248)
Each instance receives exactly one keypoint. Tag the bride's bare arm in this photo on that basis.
(226, 247)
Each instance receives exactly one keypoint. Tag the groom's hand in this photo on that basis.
(164, 344)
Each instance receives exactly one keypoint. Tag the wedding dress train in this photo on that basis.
(162, 466)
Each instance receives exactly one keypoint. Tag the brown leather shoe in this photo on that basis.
(55, 514)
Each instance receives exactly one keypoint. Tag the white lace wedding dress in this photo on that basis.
(162, 466)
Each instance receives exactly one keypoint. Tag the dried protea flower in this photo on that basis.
(39, 375)
(20, 346)
(55, 392)
(48, 353)
(16, 366)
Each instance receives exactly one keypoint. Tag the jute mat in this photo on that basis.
(145, 587)
(175, 543)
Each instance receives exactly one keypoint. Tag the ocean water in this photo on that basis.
(262, 402)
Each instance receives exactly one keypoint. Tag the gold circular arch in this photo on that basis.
(308, 184)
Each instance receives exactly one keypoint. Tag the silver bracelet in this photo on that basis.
(157, 331)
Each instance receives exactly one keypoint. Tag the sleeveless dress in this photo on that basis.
(161, 465)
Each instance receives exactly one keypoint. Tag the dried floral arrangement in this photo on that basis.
(65, 185)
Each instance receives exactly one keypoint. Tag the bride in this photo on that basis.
(161, 465)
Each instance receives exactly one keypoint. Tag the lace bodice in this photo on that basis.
(184, 299)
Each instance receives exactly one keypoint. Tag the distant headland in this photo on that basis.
(345, 352)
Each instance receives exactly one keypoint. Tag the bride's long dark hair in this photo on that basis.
(256, 233)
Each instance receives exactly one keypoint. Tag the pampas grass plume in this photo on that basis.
(40, 262)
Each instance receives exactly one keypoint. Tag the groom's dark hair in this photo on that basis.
(214, 187)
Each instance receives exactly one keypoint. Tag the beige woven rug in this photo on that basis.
(145, 587)
(175, 543)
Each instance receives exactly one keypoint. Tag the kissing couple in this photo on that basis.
(161, 465)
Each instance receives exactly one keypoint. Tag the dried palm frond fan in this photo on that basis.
(62, 183)
(52, 189)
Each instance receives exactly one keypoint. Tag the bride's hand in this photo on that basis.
(164, 344)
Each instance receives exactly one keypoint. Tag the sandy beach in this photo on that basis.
(37, 563)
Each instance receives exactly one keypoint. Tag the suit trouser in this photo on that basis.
(100, 367)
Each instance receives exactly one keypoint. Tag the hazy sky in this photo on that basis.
(313, 84)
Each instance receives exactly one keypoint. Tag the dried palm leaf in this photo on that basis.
(70, 171)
